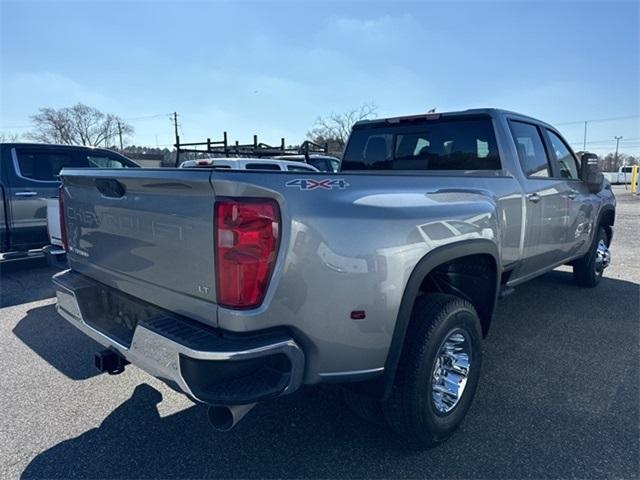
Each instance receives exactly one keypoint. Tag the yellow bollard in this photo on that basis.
(634, 179)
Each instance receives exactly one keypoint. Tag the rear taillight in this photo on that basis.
(247, 232)
(63, 225)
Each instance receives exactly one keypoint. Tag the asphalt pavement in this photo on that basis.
(559, 397)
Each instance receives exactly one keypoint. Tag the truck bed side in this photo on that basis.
(349, 242)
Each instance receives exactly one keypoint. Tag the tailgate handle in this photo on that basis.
(110, 187)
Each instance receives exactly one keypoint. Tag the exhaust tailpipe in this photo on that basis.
(224, 417)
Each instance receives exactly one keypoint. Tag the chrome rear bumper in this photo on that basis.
(206, 364)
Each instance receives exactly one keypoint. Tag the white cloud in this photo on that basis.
(380, 31)
(52, 89)
(46, 89)
(278, 91)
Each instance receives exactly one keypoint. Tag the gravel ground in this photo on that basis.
(558, 397)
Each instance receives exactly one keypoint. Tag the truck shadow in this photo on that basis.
(62, 345)
(25, 281)
(547, 406)
(290, 437)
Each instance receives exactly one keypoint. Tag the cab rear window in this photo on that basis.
(443, 144)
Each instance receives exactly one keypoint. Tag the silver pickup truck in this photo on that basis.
(235, 287)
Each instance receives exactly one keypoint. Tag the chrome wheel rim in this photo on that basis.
(603, 257)
(450, 371)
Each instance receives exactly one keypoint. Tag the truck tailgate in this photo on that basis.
(147, 232)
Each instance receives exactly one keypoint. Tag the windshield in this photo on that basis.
(444, 144)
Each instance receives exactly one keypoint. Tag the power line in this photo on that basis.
(597, 120)
(624, 140)
(626, 149)
(148, 117)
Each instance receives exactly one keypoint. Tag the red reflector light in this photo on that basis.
(63, 225)
(246, 244)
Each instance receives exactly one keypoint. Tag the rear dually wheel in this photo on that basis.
(438, 372)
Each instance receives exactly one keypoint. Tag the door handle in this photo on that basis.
(572, 195)
(533, 197)
(26, 194)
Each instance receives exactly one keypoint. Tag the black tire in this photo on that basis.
(585, 272)
(411, 412)
(366, 407)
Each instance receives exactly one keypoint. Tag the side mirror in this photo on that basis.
(590, 172)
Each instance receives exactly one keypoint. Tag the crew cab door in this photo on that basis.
(581, 205)
(32, 176)
(3, 221)
(545, 203)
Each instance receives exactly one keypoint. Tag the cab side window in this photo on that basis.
(321, 164)
(295, 168)
(42, 166)
(531, 151)
(567, 166)
(104, 161)
(262, 166)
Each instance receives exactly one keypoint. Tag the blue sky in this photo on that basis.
(271, 68)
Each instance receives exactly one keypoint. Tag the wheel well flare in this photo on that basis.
(471, 277)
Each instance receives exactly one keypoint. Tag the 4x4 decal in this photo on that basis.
(311, 184)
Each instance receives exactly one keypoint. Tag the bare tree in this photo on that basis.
(335, 128)
(9, 137)
(78, 125)
(612, 162)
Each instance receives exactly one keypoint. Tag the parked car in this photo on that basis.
(28, 176)
(249, 164)
(324, 163)
(239, 286)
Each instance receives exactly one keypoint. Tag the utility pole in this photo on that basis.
(615, 160)
(120, 135)
(175, 127)
(584, 143)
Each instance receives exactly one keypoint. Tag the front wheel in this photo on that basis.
(438, 371)
(588, 270)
